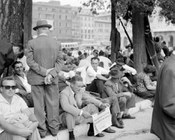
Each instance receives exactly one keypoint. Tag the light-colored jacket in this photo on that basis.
(68, 102)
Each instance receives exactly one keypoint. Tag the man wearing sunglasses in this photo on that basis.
(16, 120)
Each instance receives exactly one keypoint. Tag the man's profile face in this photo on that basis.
(8, 88)
(95, 63)
(77, 86)
(19, 68)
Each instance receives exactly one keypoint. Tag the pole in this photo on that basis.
(113, 25)
(126, 32)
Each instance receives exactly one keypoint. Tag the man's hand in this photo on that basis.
(104, 105)
(24, 132)
(86, 114)
(48, 79)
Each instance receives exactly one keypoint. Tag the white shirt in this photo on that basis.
(91, 73)
(27, 86)
(106, 61)
(8, 110)
(129, 69)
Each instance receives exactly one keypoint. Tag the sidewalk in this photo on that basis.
(136, 129)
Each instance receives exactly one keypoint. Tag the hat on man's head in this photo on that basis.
(114, 72)
(42, 23)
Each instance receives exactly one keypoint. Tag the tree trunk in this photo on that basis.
(27, 35)
(113, 26)
(12, 24)
(140, 56)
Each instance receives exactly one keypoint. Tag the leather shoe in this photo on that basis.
(118, 123)
(92, 134)
(127, 116)
(100, 135)
(109, 130)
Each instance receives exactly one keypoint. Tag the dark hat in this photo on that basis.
(115, 71)
(42, 23)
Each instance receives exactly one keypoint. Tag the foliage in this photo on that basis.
(122, 7)
(167, 9)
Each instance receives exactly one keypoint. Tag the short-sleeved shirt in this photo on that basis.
(8, 110)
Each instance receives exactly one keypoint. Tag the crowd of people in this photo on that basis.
(66, 86)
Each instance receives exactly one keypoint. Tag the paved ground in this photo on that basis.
(137, 129)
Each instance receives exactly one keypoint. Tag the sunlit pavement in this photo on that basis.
(136, 129)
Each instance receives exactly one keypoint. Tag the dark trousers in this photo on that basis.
(46, 108)
(97, 86)
(114, 107)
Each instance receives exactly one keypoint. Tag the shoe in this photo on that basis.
(118, 123)
(90, 133)
(109, 130)
(100, 135)
(127, 116)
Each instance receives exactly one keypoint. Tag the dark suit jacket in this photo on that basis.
(43, 53)
(163, 119)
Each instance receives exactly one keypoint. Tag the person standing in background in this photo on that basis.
(45, 61)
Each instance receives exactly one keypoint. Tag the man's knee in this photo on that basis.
(91, 108)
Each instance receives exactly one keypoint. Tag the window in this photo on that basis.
(53, 10)
(39, 9)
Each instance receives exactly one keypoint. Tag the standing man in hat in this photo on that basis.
(45, 61)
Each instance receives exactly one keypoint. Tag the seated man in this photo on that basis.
(16, 120)
(146, 88)
(24, 88)
(74, 113)
(94, 77)
(84, 98)
(115, 87)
